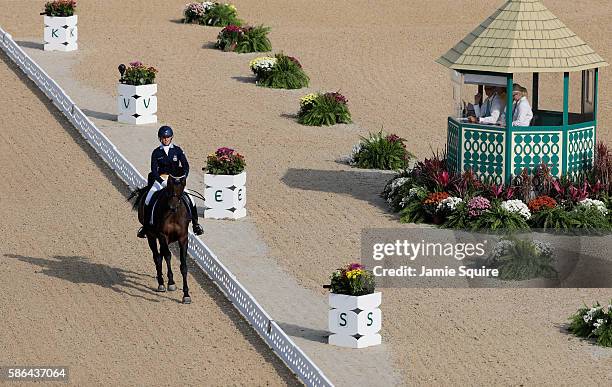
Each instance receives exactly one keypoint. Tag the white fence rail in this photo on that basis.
(268, 329)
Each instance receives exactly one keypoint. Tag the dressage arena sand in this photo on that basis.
(308, 208)
(77, 288)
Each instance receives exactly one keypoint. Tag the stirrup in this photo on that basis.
(142, 233)
(197, 229)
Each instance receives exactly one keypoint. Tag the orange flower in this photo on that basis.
(435, 197)
(541, 203)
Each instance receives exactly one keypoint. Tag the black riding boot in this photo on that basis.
(142, 233)
(197, 229)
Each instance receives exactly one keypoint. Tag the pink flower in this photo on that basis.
(477, 206)
(136, 63)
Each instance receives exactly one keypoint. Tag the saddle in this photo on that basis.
(149, 215)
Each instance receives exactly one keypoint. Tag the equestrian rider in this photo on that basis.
(167, 159)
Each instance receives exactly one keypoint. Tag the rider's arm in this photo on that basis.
(184, 163)
(155, 168)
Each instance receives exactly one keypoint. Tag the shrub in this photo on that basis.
(413, 210)
(477, 206)
(396, 190)
(262, 64)
(352, 280)
(244, 39)
(594, 322)
(380, 151)
(516, 207)
(589, 219)
(497, 218)
(137, 74)
(225, 161)
(285, 73)
(220, 15)
(324, 109)
(521, 260)
(459, 218)
(61, 8)
(555, 218)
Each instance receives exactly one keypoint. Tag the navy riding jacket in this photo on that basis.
(174, 163)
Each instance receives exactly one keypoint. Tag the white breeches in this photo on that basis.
(156, 187)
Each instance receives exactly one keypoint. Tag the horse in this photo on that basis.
(170, 224)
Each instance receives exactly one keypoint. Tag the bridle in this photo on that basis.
(170, 194)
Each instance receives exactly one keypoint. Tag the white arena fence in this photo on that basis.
(240, 297)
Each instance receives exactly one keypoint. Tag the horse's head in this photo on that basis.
(175, 188)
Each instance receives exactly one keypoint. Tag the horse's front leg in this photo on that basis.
(157, 258)
(168, 257)
(183, 248)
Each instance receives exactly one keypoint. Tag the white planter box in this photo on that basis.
(355, 321)
(225, 196)
(60, 33)
(137, 104)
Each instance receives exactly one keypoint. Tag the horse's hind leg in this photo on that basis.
(157, 258)
(183, 248)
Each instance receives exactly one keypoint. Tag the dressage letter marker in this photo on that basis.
(354, 321)
(60, 33)
(225, 196)
(137, 104)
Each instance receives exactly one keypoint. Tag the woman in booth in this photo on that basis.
(521, 110)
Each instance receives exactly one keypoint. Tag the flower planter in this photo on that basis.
(225, 196)
(354, 321)
(137, 104)
(60, 33)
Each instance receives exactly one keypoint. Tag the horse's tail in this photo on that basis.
(139, 194)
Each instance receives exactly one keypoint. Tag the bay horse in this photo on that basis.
(170, 224)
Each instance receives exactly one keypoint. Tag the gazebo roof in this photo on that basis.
(522, 36)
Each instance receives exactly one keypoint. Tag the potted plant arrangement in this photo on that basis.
(279, 72)
(593, 323)
(211, 14)
(224, 185)
(354, 317)
(137, 103)
(381, 151)
(244, 39)
(60, 32)
(317, 109)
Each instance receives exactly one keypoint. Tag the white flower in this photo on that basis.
(413, 192)
(262, 64)
(354, 152)
(404, 201)
(208, 5)
(586, 318)
(543, 248)
(517, 206)
(449, 204)
(501, 248)
(594, 203)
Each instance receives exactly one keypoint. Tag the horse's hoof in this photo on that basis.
(172, 287)
(161, 288)
(186, 300)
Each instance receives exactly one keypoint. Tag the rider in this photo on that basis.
(167, 159)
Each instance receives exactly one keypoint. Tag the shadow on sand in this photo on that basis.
(30, 44)
(362, 185)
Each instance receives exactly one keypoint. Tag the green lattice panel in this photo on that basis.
(530, 149)
(483, 153)
(452, 146)
(580, 150)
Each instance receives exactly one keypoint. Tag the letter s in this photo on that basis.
(342, 319)
(370, 319)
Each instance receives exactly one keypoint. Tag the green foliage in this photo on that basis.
(254, 39)
(414, 211)
(221, 15)
(286, 74)
(326, 109)
(557, 218)
(458, 219)
(594, 323)
(497, 218)
(352, 280)
(380, 151)
(589, 219)
(61, 8)
(243, 40)
(522, 260)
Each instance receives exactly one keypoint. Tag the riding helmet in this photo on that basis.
(165, 131)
